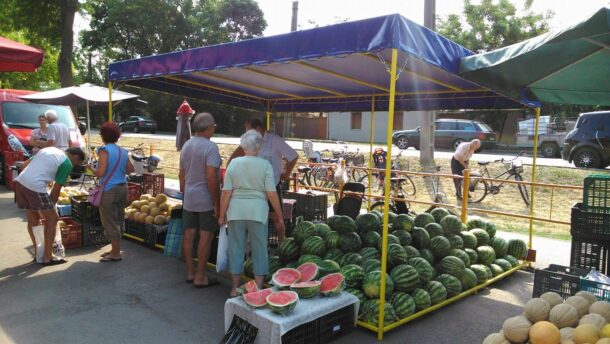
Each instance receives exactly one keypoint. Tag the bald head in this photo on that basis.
(475, 144)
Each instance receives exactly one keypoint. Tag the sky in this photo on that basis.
(278, 13)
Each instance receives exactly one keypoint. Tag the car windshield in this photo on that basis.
(25, 115)
(484, 127)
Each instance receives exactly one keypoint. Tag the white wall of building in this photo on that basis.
(340, 126)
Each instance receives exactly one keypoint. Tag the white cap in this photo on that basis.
(50, 114)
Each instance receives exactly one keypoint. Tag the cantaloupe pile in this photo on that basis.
(67, 192)
(581, 319)
(150, 210)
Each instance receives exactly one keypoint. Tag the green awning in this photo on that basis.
(569, 66)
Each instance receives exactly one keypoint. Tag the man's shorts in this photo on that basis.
(278, 189)
(31, 200)
(199, 220)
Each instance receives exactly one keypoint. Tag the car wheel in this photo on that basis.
(2, 176)
(587, 158)
(136, 129)
(121, 129)
(153, 131)
(549, 150)
(402, 142)
(456, 143)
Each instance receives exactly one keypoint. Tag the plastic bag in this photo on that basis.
(58, 246)
(173, 239)
(39, 238)
(222, 255)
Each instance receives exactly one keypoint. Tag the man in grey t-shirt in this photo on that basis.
(58, 135)
(199, 180)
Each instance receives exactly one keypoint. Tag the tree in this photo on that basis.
(493, 24)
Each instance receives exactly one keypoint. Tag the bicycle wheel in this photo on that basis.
(476, 192)
(374, 183)
(523, 189)
(380, 205)
(408, 186)
(356, 175)
(320, 176)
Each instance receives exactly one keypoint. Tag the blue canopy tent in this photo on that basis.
(381, 64)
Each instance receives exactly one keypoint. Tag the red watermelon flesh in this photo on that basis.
(282, 301)
(249, 287)
(285, 277)
(309, 271)
(258, 298)
(332, 284)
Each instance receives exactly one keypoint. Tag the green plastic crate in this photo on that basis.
(596, 193)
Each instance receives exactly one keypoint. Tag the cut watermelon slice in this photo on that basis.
(332, 284)
(248, 287)
(309, 271)
(257, 299)
(284, 277)
(282, 301)
(307, 289)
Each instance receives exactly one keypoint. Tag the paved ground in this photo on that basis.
(143, 299)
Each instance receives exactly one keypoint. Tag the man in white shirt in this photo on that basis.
(58, 135)
(459, 162)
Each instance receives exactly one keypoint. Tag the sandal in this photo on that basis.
(54, 261)
(105, 254)
(211, 282)
(109, 259)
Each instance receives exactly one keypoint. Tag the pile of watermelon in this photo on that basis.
(431, 257)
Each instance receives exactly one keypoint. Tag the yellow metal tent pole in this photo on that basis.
(371, 136)
(268, 120)
(465, 189)
(109, 101)
(386, 198)
(531, 231)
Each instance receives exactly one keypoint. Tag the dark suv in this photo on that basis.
(588, 145)
(138, 124)
(448, 133)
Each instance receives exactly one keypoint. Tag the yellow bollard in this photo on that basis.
(465, 187)
(151, 150)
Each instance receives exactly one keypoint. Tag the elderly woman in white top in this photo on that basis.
(459, 161)
(248, 185)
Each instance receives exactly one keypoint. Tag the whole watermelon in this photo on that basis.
(289, 250)
(462, 255)
(427, 255)
(481, 273)
(397, 255)
(517, 248)
(343, 225)
(439, 214)
(496, 270)
(274, 264)
(421, 298)
(437, 292)
(403, 304)
(308, 258)
(500, 245)
(451, 225)
(486, 255)
(332, 240)
(333, 254)
(421, 220)
(434, 230)
(392, 239)
(350, 258)
(249, 268)
(403, 237)
(451, 283)
(424, 269)
(313, 245)
(475, 222)
(322, 229)
(304, 230)
(405, 278)
(368, 223)
(469, 239)
(369, 253)
(371, 265)
(350, 242)
(472, 254)
(357, 292)
(512, 260)
(440, 247)
(403, 222)
(421, 238)
(504, 264)
(482, 236)
(327, 266)
(469, 279)
(371, 315)
(490, 228)
(354, 274)
(371, 285)
(452, 265)
(456, 242)
(412, 252)
(371, 239)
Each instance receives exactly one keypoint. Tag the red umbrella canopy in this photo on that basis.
(17, 57)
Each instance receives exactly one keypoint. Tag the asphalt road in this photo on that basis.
(320, 146)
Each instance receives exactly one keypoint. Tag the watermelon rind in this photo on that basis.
(282, 308)
(257, 299)
(248, 287)
(284, 277)
(332, 284)
(306, 290)
(309, 271)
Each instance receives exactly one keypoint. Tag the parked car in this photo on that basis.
(82, 125)
(138, 124)
(588, 145)
(448, 133)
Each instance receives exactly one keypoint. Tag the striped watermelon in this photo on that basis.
(475, 222)
(469, 279)
(496, 270)
(350, 242)
(462, 255)
(440, 247)
(424, 269)
(332, 240)
(500, 245)
(517, 248)
(289, 250)
(434, 230)
(371, 239)
(439, 214)
(486, 255)
(350, 258)
(482, 236)
(403, 304)
(309, 271)
(488, 271)
(490, 228)
(504, 264)
(452, 265)
(371, 285)
(292, 265)
(371, 265)
(274, 264)
(469, 239)
(249, 268)
(451, 225)
(397, 255)
(512, 260)
(412, 251)
(472, 254)
(405, 278)
(456, 242)
(372, 314)
(392, 239)
(421, 299)
(368, 223)
(304, 230)
(357, 292)
(421, 238)
(481, 273)
(403, 222)
(327, 266)
(451, 283)
(308, 258)
(369, 253)
(313, 245)
(427, 255)
(403, 237)
(334, 254)
(322, 229)
(437, 292)
(421, 220)
(343, 224)
(353, 274)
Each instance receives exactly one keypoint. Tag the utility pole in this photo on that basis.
(293, 27)
(295, 15)
(426, 137)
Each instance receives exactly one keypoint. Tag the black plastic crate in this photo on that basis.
(590, 254)
(93, 235)
(311, 205)
(336, 324)
(135, 228)
(84, 212)
(596, 193)
(154, 234)
(599, 289)
(563, 280)
(589, 224)
(303, 334)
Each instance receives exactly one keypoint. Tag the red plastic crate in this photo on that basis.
(10, 158)
(134, 191)
(71, 234)
(153, 183)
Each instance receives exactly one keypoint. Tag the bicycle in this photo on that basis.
(408, 185)
(479, 189)
(324, 176)
(395, 206)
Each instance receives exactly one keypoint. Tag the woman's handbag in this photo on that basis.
(95, 194)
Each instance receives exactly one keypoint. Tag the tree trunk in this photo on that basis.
(64, 63)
